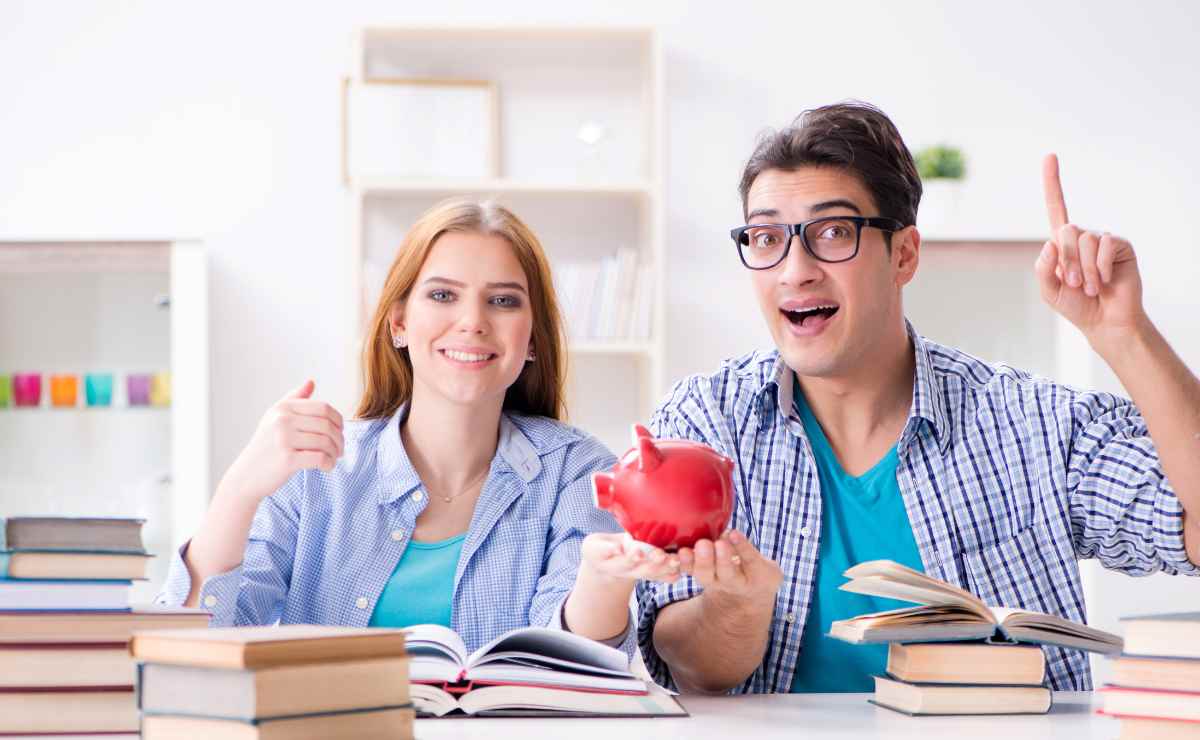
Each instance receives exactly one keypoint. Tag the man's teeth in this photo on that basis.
(465, 356)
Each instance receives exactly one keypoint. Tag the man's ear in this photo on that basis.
(906, 254)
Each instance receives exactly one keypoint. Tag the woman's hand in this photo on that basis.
(619, 557)
(296, 433)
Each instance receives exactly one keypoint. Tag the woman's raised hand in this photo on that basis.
(298, 432)
(617, 556)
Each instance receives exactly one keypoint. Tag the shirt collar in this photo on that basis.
(926, 405)
(514, 453)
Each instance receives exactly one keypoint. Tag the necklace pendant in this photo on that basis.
(447, 499)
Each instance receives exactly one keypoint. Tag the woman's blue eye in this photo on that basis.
(441, 296)
(508, 301)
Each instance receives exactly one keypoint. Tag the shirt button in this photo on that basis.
(362, 602)
(397, 535)
(418, 496)
(791, 617)
(210, 601)
(805, 531)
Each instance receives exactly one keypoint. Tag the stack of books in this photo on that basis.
(1155, 688)
(288, 682)
(66, 622)
(955, 654)
(531, 671)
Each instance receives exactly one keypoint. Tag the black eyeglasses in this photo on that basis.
(828, 239)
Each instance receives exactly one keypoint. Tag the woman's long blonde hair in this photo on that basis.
(387, 371)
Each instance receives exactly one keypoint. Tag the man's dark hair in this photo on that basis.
(853, 136)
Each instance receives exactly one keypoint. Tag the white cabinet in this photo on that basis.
(113, 309)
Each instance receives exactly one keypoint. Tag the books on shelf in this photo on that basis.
(274, 683)
(966, 663)
(1155, 687)
(937, 699)
(532, 670)
(607, 300)
(951, 613)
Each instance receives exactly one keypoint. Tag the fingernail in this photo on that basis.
(1073, 278)
(736, 537)
(1090, 289)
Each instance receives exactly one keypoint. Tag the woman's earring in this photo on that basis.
(531, 356)
(398, 341)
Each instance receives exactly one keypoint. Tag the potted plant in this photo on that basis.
(942, 169)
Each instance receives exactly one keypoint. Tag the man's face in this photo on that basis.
(828, 318)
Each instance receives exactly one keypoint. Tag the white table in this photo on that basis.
(795, 716)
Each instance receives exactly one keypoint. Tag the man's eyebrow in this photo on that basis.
(757, 212)
(460, 284)
(828, 205)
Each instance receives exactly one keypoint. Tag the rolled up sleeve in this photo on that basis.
(1124, 511)
(253, 593)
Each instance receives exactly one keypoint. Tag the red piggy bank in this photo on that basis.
(668, 493)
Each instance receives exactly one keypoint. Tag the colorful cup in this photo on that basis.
(160, 389)
(98, 388)
(5, 390)
(27, 389)
(64, 390)
(137, 388)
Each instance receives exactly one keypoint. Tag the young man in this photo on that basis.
(858, 439)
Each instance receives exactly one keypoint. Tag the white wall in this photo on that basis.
(220, 121)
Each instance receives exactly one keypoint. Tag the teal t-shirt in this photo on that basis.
(862, 518)
(421, 588)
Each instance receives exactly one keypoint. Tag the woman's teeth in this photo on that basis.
(465, 356)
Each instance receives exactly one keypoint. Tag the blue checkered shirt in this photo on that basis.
(322, 548)
(1008, 480)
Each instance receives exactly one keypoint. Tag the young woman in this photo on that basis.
(457, 496)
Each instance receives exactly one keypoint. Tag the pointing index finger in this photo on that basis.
(1056, 205)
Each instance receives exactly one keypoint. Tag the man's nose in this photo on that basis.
(799, 267)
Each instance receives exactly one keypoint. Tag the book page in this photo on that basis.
(920, 593)
(935, 591)
(436, 653)
(563, 649)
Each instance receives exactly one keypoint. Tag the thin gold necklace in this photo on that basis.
(470, 485)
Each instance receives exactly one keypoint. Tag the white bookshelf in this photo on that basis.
(78, 306)
(583, 200)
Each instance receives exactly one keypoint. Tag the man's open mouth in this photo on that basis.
(811, 314)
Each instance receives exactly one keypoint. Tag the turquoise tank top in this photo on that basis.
(421, 588)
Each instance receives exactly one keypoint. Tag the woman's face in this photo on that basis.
(467, 319)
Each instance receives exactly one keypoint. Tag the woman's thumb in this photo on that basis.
(304, 391)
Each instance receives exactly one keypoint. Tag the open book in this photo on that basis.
(950, 613)
(537, 701)
(532, 670)
(530, 656)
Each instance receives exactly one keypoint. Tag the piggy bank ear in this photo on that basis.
(649, 457)
(639, 433)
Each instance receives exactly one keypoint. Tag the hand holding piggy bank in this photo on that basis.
(668, 493)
